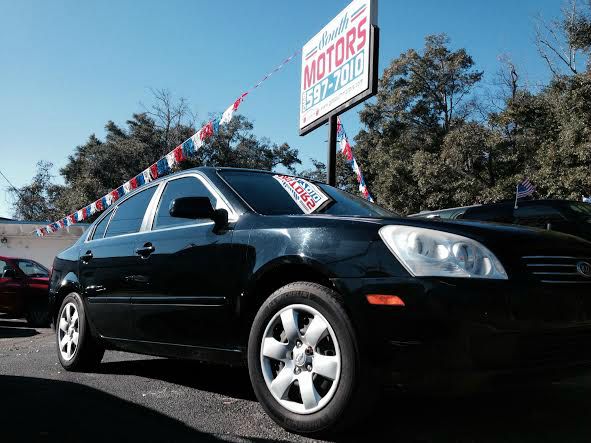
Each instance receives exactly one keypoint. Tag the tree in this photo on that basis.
(561, 42)
(36, 201)
(98, 166)
(235, 145)
(345, 177)
(421, 98)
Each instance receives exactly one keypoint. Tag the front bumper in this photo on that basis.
(451, 329)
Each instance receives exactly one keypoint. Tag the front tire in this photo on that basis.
(76, 348)
(304, 361)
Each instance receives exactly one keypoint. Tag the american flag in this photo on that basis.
(525, 188)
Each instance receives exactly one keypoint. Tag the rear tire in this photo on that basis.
(77, 350)
(323, 391)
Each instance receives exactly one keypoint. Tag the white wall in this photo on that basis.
(18, 240)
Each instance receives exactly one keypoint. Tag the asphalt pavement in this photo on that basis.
(138, 398)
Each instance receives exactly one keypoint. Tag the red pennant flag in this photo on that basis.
(133, 183)
(154, 171)
(347, 152)
(206, 131)
(115, 195)
(178, 154)
(99, 205)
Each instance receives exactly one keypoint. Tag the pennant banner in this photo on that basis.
(163, 166)
(350, 159)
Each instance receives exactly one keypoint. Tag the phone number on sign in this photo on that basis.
(334, 82)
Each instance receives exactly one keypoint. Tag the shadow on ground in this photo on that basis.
(548, 412)
(42, 410)
(232, 382)
(12, 328)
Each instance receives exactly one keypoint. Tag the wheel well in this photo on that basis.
(277, 278)
(59, 298)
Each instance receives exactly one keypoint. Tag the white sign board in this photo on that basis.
(337, 63)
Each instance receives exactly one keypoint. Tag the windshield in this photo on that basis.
(32, 268)
(270, 194)
(582, 209)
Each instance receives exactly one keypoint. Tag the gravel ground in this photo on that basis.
(138, 398)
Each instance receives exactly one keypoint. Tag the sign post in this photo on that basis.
(339, 70)
(331, 161)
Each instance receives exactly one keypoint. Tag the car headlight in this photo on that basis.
(430, 253)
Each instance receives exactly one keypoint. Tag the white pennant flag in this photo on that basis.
(343, 144)
(147, 176)
(227, 115)
(127, 187)
(108, 199)
(197, 142)
(170, 160)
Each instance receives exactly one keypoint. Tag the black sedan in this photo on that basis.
(326, 297)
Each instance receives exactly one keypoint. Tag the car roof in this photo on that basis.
(214, 169)
(4, 257)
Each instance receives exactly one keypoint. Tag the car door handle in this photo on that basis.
(145, 250)
(86, 257)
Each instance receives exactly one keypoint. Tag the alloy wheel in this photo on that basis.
(300, 359)
(68, 331)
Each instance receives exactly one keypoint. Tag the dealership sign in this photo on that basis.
(339, 65)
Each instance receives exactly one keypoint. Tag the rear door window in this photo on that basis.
(129, 214)
(99, 232)
(180, 187)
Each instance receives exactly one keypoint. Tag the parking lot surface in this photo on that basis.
(139, 398)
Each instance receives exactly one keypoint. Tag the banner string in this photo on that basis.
(164, 165)
(347, 152)
(188, 149)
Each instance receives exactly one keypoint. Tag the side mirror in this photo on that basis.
(9, 273)
(199, 207)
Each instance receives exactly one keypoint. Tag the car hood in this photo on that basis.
(499, 238)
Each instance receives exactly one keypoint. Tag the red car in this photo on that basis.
(24, 289)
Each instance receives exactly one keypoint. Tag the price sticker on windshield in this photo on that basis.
(308, 196)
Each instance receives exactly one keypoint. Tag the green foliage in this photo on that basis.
(236, 146)
(421, 98)
(36, 200)
(423, 147)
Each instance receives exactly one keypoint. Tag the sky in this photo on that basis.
(67, 67)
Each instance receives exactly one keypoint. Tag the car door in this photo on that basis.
(11, 285)
(189, 273)
(108, 264)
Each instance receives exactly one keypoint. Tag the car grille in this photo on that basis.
(556, 269)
